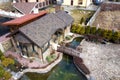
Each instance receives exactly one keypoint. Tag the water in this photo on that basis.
(65, 70)
(4, 29)
(76, 41)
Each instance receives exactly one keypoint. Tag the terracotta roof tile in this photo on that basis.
(24, 19)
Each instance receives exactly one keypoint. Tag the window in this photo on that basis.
(43, 3)
(40, 5)
(46, 2)
(80, 1)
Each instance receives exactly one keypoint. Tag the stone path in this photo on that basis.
(103, 60)
(26, 62)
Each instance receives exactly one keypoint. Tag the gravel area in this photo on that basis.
(108, 20)
(103, 60)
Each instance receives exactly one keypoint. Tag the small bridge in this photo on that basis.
(69, 51)
(76, 59)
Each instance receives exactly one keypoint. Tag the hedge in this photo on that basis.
(113, 36)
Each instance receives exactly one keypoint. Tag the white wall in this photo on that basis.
(1, 48)
(1, 1)
(66, 2)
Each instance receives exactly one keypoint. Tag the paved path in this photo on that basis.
(102, 60)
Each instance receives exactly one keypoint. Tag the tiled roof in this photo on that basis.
(65, 17)
(40, 31)
(24, 8)
(21, 38)
(24, 19)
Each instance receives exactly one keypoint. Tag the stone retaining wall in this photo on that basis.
(111, 6)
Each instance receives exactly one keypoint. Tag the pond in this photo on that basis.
(65, 70)
(76, 41)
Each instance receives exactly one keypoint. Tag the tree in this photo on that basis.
(93, 30)
(82, 20)
(82, 31)
(87, 30)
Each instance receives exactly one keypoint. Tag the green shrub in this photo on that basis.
(93, 30)
(50, 58)
(2, 71)
(4, 75)
(99, 31)
(73, 28)
(82, 31)
(68, 37)
(87, 30)
(7, 61)
(1, 54)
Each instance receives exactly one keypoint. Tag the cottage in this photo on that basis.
(40, 37)
(30, 7)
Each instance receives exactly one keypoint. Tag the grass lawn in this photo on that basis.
(51, 9)
(7, 6)
(79, 14)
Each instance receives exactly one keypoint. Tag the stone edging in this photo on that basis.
(42, 70)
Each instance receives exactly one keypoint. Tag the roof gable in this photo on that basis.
(25, 8)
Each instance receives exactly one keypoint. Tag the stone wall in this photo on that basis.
(7, 45)
(110, 6)
(90, 22)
